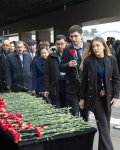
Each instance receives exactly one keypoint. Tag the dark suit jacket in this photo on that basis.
(88, 90)
(15, 74)
(3, 59)
(72, 84)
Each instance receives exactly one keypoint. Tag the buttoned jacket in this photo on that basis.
(88, 90)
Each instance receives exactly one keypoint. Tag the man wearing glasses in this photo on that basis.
(54, 80)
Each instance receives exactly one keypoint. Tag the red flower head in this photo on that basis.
(42, 126)
(72, 51)
(2, 103)
(16, 135)
(37, 130)
(29, 124)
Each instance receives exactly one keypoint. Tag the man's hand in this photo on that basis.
(72, 63)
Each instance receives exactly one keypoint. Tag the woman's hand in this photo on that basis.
(113, 102)
(46, 93)
(81, 103)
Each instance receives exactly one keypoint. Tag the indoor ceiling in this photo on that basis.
(14, 10)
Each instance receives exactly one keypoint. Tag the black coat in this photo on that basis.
(51, 76)
(1, 75)
(88, 90)
(3, 56)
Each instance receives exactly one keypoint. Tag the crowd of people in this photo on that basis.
(81, 75)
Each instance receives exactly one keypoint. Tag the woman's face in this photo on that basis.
(98, 48)
(44, 53)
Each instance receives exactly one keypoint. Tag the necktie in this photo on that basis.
(78, 54)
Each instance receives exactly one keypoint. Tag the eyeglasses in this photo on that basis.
(58, 44)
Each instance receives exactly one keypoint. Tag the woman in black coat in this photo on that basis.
(100, 87)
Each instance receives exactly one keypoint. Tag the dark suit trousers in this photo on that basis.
(102, 117)
(73, 102)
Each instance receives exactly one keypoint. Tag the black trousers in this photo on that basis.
(73, 102)
(102, 117)
(62, 93)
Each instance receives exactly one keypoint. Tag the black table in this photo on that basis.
(82, 140)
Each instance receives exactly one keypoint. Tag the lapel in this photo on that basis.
(17, 60)
(108, 69)
(24, 58)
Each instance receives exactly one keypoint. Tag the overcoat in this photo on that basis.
(88, 90)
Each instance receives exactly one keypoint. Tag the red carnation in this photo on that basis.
(37, 130)
(29, 124)
(72, 51)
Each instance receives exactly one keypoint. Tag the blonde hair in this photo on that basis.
(89, 51)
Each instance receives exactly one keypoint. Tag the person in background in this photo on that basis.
(45, 43)
(1, 43)
(18, 69)
(32, 48)
(38, 70)
(4, 51)
(54, 79)
(71, 59)
(12, 46)
(1, 76)
(112, 50)
(100, 86)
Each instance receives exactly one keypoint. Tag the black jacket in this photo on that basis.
(51, 76)
(88, 90)
(1, 75)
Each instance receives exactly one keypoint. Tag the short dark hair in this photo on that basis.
(75, 28)
(60, 37)
(40, 47)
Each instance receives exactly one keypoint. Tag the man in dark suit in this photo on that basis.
(4, 51)
(71, 60)
(1, 76)
(18, 73)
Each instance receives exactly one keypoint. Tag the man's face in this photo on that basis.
(20, 48)
(76, 38)
(6, 45)
(32, 47)
(60, 44)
